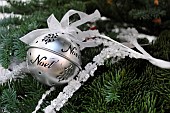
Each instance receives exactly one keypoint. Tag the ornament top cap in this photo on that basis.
(65, 26)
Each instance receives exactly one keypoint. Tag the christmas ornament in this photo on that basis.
(53, 58)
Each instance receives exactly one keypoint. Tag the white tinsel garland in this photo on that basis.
(6, 75)
(42, 98)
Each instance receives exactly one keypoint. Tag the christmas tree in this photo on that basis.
(127, 86)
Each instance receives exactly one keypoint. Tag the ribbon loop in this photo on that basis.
(90, 18)
(65, 22)
(53, 23)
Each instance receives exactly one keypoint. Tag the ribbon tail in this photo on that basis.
(85, 34)
(28, 38)
(87, 44)
(81, 36)
(83, 45)
(135, 43)
(157, 62)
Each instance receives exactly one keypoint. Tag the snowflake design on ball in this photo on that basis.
(50, 38)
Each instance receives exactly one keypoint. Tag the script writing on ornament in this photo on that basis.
(41, 62)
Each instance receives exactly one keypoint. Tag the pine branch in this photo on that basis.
(9, 100)
(147, 14)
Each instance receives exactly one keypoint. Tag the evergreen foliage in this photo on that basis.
(128, 86)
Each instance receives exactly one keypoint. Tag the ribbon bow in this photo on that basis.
(70, 30)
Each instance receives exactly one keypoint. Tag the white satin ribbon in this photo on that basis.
(70, 29)
(131, 35)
